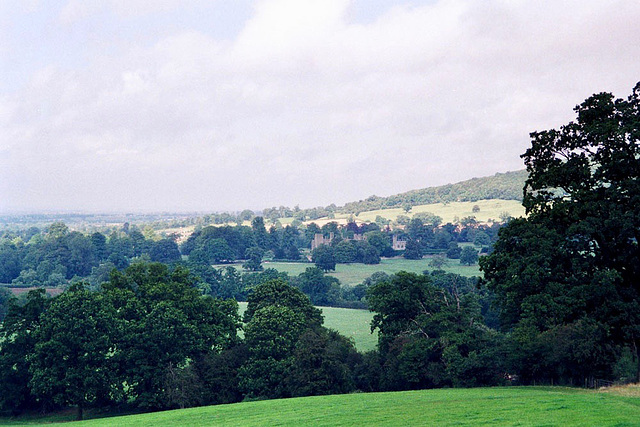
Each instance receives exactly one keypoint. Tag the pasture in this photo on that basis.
(352, 323)
(354, 274)
(508, 406)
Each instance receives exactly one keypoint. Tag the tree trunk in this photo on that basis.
(636, 347)
(80, 414)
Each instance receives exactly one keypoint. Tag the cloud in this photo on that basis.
(305, 105)
(75, 11)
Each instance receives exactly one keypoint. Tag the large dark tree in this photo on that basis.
(324, 257)
(571, 268)
(73, 361)
(432, 336)
(17, 344)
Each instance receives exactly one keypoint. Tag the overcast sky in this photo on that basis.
(163, 105)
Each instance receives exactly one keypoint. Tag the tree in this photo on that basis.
(324, 257)
(17, 347)
(10, 263)
(454, 251)
(254, 259)
(368, 254)
(278, 292)
(5, 297)
(260, 232)
(431, 336)
(165, 250)
(381, 242)
(468, 256)
(246, 215)
(73, 360)
(414, 250)
(345, 251)
(321, 289)
(572, 265)
(169, 323)
(438, 261)
(220, 251)
(323, 362)
(482, 239)
(276, 316)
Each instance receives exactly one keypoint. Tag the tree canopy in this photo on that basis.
(567, 275)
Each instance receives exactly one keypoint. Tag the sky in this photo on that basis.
(167, 105)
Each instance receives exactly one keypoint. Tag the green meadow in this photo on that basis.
(353, 274)
(502, 406)
(352, 323)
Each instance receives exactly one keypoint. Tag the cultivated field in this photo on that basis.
(449, 212)
(490, 209)
(508, 406)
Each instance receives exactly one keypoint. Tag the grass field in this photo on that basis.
(353, 274)
(523, 406)
(352, 323)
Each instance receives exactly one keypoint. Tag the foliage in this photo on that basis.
(324, 257)
(73, 361)
(134, 342)
(290, 354)
(468, 256)
(432, 336)
(566, 277)
(17, 343)
(5, 296)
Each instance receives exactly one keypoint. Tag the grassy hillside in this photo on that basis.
(504, 186)
(501, 186)
(524, 406)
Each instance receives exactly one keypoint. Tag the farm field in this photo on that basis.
(524, 406)
(354, 274)
(489, 210)
(352, 323)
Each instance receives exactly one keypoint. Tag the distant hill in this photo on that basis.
(503, 186)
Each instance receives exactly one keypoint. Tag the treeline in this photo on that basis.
(147, 339)
(57, 256)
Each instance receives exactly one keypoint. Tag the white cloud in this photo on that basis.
(306, 106)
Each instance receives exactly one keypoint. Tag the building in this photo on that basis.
(397, 244)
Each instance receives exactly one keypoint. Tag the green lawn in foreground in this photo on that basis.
(523, 406)
(351, 323)
(353, 274)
